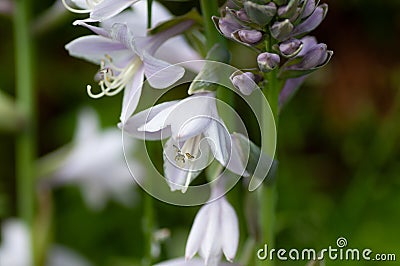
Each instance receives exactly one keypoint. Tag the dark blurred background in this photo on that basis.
(339, 141)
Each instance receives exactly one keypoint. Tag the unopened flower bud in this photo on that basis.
(316, 56)
(227, 25)
(290, 48)
(260, 14)
(281, 30)
(242, 15)
(308, 8)
(250, 36)
(245, 82)
(268, 61)
(312, 21)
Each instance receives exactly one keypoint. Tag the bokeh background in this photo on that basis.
(339, 142)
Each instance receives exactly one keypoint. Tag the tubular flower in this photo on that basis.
(215, 231)
(125, 58)
(194, 131)
(96, 164)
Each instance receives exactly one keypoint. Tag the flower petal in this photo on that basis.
(210, 248)
(159, 121)
(137, 121)
(219, 140)
(98, 30)
(230, 230)
(161, 74)
(238, 158)
(109, 8)
(196, 235)
(132, 95)
(177, 50)
(192, 115)
(93, 48)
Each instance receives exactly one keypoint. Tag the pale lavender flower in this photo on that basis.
(96, 164)
(99, 10)
(15, 248)
(194, 130)
(192, 262)
(125, 58)
(215, 231)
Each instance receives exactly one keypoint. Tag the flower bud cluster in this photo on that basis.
(283, 23)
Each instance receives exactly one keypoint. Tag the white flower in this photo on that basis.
(194, 130)
(96, 163)
(215, 231)
(192, 262)
(125, 57)
(15, 248)
(99, 10)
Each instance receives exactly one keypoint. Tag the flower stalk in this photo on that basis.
(25, 142)
(268, 193)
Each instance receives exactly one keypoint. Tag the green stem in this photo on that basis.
(25, 142)
(148, 227)
(149, 13)
(268, 193)
(209, 8)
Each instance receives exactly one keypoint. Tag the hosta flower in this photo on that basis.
(192, 262)
(195, 132)
(15, 248)
(125, 58)
(215, 231)
(99, 10)
(96, 164)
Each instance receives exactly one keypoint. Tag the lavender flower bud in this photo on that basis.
(226, 25)
(308, 8)
(290, 48)
(245, 83)
(312, 21)
(268, 61)
(242, 15)
(281, 30)
(260, 14)
(250, 36)
(316, 56)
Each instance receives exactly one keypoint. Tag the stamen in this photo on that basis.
(111, 83)
(94, 96)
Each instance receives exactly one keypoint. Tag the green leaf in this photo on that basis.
(210, 75)
(197, 40)
(260, 14)
(259, 165)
